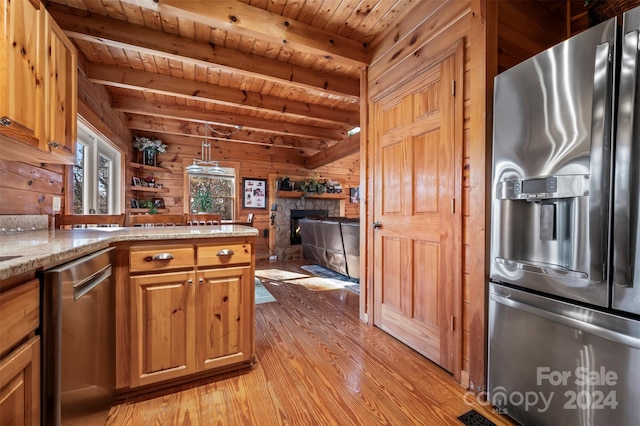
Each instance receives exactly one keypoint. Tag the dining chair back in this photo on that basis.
(200, 219)
(161, 219)
(88, 220)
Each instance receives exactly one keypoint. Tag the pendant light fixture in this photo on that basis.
(206, 165)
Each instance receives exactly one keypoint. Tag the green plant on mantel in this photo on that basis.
(312, 186)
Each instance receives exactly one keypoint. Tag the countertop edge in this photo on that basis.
(47, 248)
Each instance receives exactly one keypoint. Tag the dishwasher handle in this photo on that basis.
(90, 283)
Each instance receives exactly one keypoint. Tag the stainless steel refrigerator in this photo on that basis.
(564, 296)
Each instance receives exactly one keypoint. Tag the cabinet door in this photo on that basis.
(224, 315)
(61, 93)
(20, 385)
(21, 71)
(162, 327)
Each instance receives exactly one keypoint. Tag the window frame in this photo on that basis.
(228, 165)
(97, 145)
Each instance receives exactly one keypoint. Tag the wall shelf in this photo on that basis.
(147, 210)
(298, 194)
(149, 168)
(148, 189)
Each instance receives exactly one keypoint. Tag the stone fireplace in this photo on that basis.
(284, 248)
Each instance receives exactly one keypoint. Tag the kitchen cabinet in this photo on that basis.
(61, 93)
(38, 77)
(19, 352)
(191, 309)
(21, 71)
(223, 315)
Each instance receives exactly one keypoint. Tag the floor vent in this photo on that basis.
(473, 418)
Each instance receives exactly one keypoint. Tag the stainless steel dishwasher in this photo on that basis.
(78, 341)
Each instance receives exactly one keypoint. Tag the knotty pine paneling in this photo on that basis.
(252, 161)
(440, 25)
(527, 27)
(28, 189)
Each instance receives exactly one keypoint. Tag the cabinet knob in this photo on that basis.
(5, 121)
(54, 144)
(190, 281)
(225, 252)
(376, 225)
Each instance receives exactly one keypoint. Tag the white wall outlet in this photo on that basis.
(57, 202)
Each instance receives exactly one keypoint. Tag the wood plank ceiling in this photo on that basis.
(286, 71)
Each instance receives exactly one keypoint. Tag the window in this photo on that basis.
(96, 174)
(213, 193)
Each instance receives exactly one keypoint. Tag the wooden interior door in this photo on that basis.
(416, 261)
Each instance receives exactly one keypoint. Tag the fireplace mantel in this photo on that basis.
(299, 194)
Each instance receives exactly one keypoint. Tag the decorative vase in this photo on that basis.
(149, 157)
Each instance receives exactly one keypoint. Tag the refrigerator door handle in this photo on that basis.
(625, 207)
(605, 333)
(599, 159)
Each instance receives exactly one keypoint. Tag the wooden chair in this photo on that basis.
(88, 220)
(203, 219)
(152, 220)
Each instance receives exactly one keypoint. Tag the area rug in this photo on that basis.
(309, 280)
(320, 271)
(262, 294)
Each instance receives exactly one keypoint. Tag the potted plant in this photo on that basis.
(148, 204)
(149, 148)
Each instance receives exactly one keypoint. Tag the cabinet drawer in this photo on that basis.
(19, 313)
(222, 255)
(156, 258)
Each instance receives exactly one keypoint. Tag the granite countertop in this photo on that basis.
(46, 248)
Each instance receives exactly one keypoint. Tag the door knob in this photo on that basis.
(376, 225)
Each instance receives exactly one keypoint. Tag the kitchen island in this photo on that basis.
(184, 296)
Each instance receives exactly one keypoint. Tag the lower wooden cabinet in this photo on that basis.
(191, 312)
(163, 327)
(224, 317)
(20, 385)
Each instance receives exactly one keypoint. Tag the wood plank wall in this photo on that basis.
(29, 189)
(522, 29)
(441, 23)
(250, 161)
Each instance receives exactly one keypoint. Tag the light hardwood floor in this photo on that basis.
(318, 364)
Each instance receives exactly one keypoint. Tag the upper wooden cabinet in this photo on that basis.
(21, 71)
(38, 80)
(61, 93)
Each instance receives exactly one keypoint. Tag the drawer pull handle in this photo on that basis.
(225, 252)
(161, 256)
(5, 122)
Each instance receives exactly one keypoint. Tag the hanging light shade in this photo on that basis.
(206, 165)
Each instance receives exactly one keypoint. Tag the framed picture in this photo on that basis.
(136, 181)
(159, 203)
(135, 204)
(354, 194)
(254, 193)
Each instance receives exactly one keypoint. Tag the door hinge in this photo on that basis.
(453, 323)
(453, 206)
(453, 87)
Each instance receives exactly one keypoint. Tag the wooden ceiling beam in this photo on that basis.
(229, 151)
(241, 18)
(127, 78)
(191, 129)
(123, 35)
(145, 107)
(344, 148)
